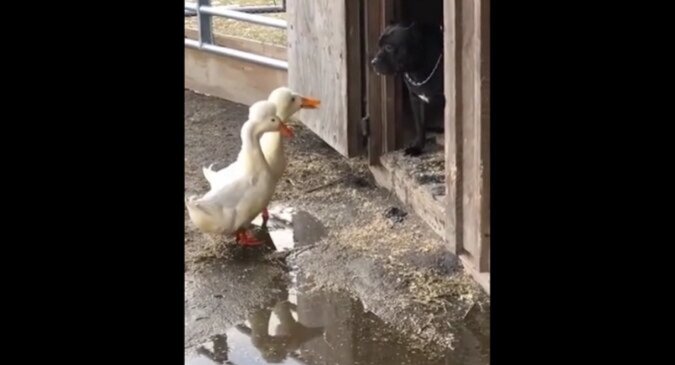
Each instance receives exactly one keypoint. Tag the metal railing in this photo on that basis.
(204, 12)
(253, 9)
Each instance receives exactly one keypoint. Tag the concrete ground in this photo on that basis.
(355, 277)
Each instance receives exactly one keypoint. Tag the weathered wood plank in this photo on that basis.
(390, 109)
(355, 77)
(482, 278)
(452, 128)
(392, 175)
(484, 80)
(324, 61)
(470, 129)
(374, 83)
(475, 144)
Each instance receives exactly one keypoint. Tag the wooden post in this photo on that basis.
(373, 23)
(453, 140)
(467, 129)
(390, 107)
(474, 116)
(483, 260)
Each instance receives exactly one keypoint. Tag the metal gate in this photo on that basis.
(203, 10)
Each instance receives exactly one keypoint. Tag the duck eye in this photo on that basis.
(388, 48)
(293, 99)
(272, 120)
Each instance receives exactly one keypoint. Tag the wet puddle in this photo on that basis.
(285, 325)
(289, 227)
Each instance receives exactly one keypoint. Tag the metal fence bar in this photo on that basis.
(204, 22)
(259, 9)
(204, 12)
(253, 9)
(230, 52)
(236, 15)
(251, 18)
(262, 8)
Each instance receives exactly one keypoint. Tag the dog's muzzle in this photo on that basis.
(377, 65)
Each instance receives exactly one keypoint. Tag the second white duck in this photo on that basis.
(287, 103)
(248, 187)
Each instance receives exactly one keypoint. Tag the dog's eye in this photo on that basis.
(388, 48)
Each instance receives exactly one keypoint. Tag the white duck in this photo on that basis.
(288, 103)
(248, 187)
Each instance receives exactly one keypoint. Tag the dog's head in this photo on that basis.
(399, 50)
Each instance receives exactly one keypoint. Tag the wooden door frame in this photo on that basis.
(467, 115)
(385, 115)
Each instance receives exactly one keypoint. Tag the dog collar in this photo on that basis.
(420, 83)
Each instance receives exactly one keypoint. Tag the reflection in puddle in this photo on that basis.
(268, 336)
(288, 227)
(301, 328)
(328, 328)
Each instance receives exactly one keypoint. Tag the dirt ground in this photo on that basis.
(387, 258)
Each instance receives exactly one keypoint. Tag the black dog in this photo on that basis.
(416, 51)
